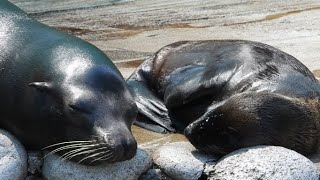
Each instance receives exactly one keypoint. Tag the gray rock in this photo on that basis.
(55, 169)
(154, 174)
(13, 157)
(264, 162)
(315, 158)
(181, 160)
(33, 178)
(35, 162)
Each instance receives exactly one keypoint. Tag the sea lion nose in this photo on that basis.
(130, 149)
(126, 149)
(194, 128)
(188, 130)
(124, 145)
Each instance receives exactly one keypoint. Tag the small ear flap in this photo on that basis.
(41, 86)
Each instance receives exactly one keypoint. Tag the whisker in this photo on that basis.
(66, 142)
(115, 157)
(103, 143)
(78, 152)
(82, 152)
(104, 147)
(70, 147)
(108, 156)
(91, 156)
(67, 147)
(70, 153)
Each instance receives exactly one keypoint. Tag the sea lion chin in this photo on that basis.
(62, 94)
(228, 94)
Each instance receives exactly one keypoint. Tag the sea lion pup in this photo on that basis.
(61, 93)
(228, 94)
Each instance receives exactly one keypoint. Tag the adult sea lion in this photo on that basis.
(62, 93)
(229, 94)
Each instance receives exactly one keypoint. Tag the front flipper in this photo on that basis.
(153, 114)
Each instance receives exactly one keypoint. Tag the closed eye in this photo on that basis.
(78, 109)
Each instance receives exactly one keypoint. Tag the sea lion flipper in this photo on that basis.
(151, 107)
(153, 114)
(143, 121)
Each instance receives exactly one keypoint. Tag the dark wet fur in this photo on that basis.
(262, 94)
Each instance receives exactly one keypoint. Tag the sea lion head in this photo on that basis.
(212, 134)
(93, 109)
(250, 119)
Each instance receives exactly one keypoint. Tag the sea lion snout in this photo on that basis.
(98, 146)
(126, 147)
(223, 138)
(123, 145)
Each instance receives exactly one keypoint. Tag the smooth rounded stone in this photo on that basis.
(55, 169)
(180, 160)
(264, 162)
(13, 157)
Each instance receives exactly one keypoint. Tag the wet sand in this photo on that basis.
(150, 141)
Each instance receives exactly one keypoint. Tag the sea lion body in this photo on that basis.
(229, 94)
(58, 89)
